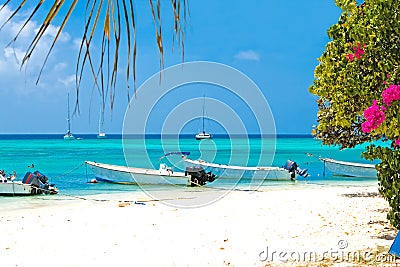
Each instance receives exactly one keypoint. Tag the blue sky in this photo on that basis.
(274, 43)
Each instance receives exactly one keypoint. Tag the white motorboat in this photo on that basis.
(351, 169)
(15, 188)
(131, 175)
(33, 184)
(223, 171)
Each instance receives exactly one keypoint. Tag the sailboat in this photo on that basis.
(102, 134)
(68, 135)
(203, 134)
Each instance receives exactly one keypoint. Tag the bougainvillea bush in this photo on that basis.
(358, 88)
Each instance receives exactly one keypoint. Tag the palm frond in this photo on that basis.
(26, 21)
(118, 18)
(71, 8)
(14, 13)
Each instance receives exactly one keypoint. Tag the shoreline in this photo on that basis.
(237, 230)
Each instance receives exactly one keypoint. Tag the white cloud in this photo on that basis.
(77, 43)
(23, 81)
(68, 81)
(248, 55)
(60, 66)
(51, 32)
(13, 56)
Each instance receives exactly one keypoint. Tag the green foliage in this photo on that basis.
(347, 86)
(388, 177)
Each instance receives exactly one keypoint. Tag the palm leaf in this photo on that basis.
(14, 13)
(118, 18)
(26, 21)
(71, 8)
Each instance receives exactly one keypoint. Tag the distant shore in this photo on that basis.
(271, 228)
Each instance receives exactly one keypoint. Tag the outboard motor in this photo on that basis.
(39, 183)
(293, 168)
(198, 176)
(42, 178)
(302, 172)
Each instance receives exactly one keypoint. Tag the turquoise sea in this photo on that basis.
(63, 160)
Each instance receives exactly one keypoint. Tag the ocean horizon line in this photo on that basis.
(22, 136)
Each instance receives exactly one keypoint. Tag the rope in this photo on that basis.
(69, 172)
(124, 201)
(320, 158)
(225, 189)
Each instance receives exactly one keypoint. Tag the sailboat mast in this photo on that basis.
(204, 103)
(101, 121)
(68, 119)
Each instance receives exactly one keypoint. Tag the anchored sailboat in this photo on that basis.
(68, 135)
(203, 134)
(102, 134)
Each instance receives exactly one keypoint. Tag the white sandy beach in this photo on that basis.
(242, 229)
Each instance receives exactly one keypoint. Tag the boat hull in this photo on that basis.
(201, 136)
(241, 172)
(128, 175)
(101, 136)
(350, 169)
(15, 189)
(69, 137)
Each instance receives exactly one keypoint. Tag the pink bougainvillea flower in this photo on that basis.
(374, 116)
(350, 57)
(397, 143)
(388, 76)
(390, 94)
(384, 82)
(366, 127)
(358, 51)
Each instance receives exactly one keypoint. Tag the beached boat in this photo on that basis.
(15, 188)
(164, 175)
(351, 169)
(32, 184)
(289, 171)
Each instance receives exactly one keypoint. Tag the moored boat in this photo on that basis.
(32, 184)
(101, 134)
(289, 172)
(69, 135)
(203, 135)
(164, 175)
(15, 188)
(350, 169)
